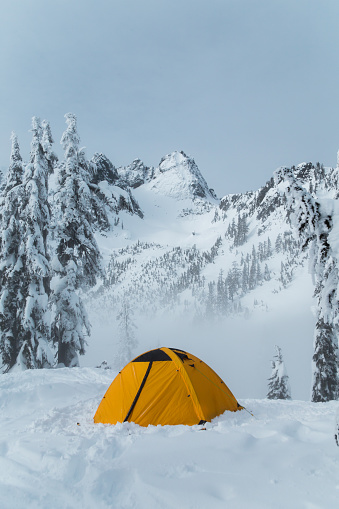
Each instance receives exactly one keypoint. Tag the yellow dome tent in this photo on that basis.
(165, 386)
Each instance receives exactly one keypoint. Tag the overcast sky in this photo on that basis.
(243, 86)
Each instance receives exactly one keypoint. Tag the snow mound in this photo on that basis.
(53, 455)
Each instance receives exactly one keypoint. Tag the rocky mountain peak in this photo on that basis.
(178, 176)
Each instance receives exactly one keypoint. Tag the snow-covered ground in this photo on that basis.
(53, 456)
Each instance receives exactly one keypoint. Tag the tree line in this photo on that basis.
(47, 251)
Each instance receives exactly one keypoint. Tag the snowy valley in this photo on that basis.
(208, 275)
(226, 279)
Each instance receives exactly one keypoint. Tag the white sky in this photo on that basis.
(243, 86)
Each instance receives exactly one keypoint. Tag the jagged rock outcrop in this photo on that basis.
(135, 174)
(103, 169)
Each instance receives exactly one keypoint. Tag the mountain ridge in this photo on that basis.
(191, 265)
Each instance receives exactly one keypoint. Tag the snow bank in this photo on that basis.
(52, 455)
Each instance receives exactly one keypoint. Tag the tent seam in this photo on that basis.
(188, 383)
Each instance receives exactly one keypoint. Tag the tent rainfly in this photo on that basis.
(165, 386)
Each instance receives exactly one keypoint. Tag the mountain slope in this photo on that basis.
(195, 280)
(225, 279)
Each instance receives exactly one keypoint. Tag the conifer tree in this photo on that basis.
(210, 302)
(46, 143)
(240, 231)
(267, 274)
(269, 248)
(35, 351)
(314, 225)
(285, 274)
(127, 341)
(261, 251)
(252, 281)
(258, 273)
(278, 385)
(12, 282)
(325, 372)
(244, 283)
(78, 260)
(233, 280)
(222, 296)
(278, 244)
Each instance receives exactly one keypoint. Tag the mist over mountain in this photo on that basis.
(211, 272)
(197, 271)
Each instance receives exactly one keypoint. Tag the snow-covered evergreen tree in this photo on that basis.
(278, 384)
(46, 143)
(16, 170)
(126, 341)
(244, 283)
(12, 282)
(285, 274)
(252, 280)
(267, 274)
(70, 324)
(35, 351)
(240, 231)
(269, 250)
(234, 276)
(78, 260)
(278, 243)
(325, 371)
(222, 295)
(314, 223)
(258, 273)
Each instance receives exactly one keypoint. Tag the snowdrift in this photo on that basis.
(53, 455)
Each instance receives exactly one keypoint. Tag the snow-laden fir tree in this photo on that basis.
(314, 223)
(211, 301)
(233, 280)
(278, 244)
(78, 262)
(252, 280)
(126, 341)
(278, 383)
(269, 251)
(325, 384)
(267, 274)
(35, 351)
(12, 282)
(46, 143)
(222, 295)
(240, 231)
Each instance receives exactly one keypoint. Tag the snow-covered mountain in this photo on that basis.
(209, 275)
(177, 176)
(223, 278)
